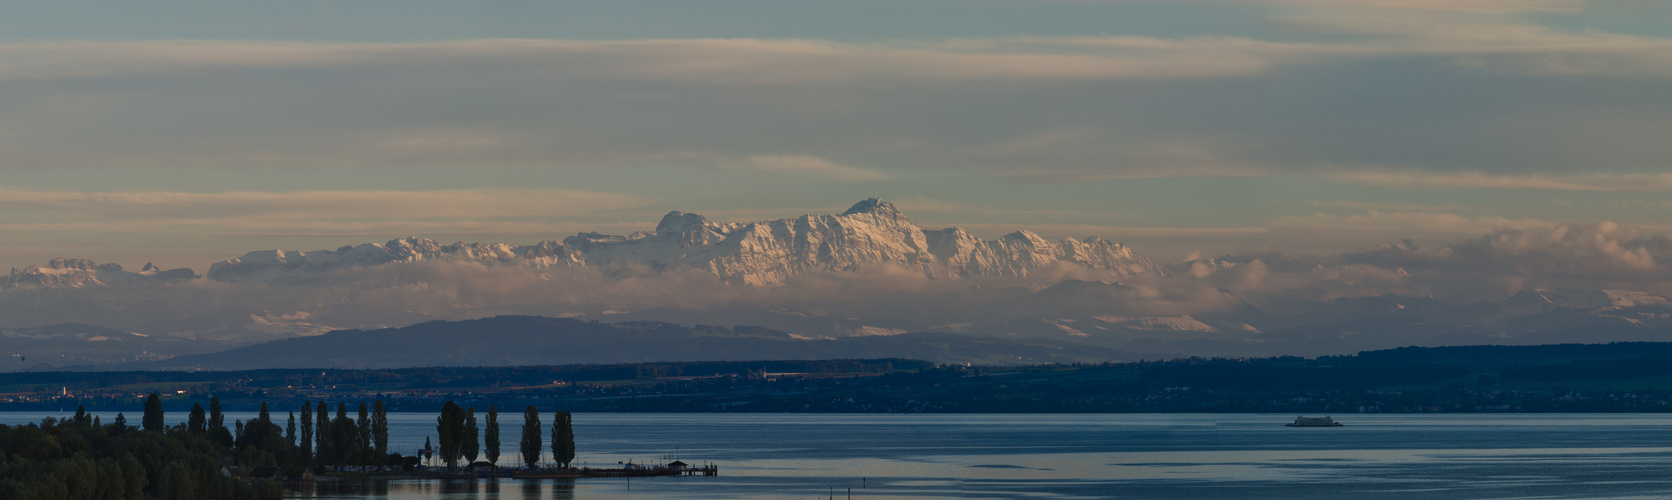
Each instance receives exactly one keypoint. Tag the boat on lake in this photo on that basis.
(1323, 421)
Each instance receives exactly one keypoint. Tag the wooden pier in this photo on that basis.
(657, 471)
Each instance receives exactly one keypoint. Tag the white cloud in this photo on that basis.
(1597, 251)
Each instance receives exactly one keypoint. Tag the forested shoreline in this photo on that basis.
(202, 458)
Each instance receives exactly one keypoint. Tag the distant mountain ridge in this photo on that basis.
(76, 273)
(754, 253)
(533, 340)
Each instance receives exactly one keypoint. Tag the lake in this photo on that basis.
(1075, 456)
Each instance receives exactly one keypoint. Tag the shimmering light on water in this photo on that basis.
(1078, 456)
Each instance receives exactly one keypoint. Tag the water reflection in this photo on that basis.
(451, 489)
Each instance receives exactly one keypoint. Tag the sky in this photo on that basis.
(187, 132)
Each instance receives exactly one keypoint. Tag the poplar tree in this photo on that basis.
(471, 446)
(563, 439)
(345, 438)
(531, 436)
(153, 419)
(290, 430)
(197, 423)
(216, 419)
(450, 428)
(380, 428)
(306, 444)
(490, 436)
(364, 424)
(323, 453)
(264, 417)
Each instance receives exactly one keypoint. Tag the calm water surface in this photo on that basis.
(1077, 456)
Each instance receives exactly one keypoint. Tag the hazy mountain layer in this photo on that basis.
(527, 340)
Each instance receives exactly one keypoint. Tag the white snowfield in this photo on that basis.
(754, 253)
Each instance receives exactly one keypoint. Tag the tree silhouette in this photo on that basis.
(450, 428)
(563, 439)
(364, 423)
(197, 423)
(323, 453)
(305, 447)
(216, 419)
(471, 446)
(153, 419)
(380, 428)
(531, 436)
(490, 436)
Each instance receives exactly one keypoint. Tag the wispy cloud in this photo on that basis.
(811, 166)
(1383, 206)
(366, 212)
(1478, 180)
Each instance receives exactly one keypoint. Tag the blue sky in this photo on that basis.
(188, 132)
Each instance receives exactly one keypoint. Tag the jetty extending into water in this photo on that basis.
(675, 469)
(630, 470)
(1324, 421)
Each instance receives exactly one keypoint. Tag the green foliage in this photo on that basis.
(531, 436)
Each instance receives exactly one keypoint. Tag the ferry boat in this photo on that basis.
(1313, 422)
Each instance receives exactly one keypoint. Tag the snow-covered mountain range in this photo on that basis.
(866, 272)
(77, 273)
(753, 253)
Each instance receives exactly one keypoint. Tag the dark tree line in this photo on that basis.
(344, 441)
(253, 381)
(457, 430)
(84, 458)
(322, 441)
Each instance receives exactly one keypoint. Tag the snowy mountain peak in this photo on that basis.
(1588, 300)
(755, 253)
(680, 222)
(873, 206)
(80, 273)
